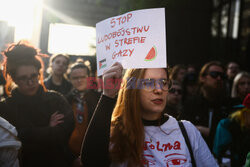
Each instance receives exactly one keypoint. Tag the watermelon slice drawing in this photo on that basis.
(151, 54)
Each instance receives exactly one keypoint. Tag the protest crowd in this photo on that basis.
(64, 115)
(44, 120)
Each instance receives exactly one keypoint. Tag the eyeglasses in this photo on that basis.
(76, 78)
(215, 74)
(151, 84)
(173, 91)
(25, 79)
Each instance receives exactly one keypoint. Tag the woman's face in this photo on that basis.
(153, 100)
(174, 95)
(78, 78)
(59, 65)
(26, 79)
(243, 87)
(181, 75)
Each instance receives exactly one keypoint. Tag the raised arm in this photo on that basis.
(95, 147)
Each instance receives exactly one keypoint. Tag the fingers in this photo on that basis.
(54, 114)
(59, 116)
(115, 71)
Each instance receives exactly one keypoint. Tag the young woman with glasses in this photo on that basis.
(135, 132)
(43, 119)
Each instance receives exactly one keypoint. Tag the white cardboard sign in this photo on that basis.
(136, 39)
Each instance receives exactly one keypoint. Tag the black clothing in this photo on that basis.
(42, 145)
(240, 143)
(158, 122)
(200, 111)
(99, 129)
(64, 88)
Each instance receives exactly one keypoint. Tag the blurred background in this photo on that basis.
(197, 30)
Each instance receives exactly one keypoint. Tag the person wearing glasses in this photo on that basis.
(83, 101)
(43, 119)
(174, 100)
(134, 131)
(211, 104)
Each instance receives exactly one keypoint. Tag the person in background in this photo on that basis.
(241, 87)
(191, 69)
(233, 69)
(189, 86)
(174, 100)
(178, 72)
(43, 119)
(58, 65)
(83, 102)
(139, 133)
(211, 104)
(233, 134)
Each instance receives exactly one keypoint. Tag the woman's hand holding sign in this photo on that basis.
(110, 78)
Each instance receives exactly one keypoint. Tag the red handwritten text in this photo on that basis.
(122, 53)
(162, 147)
(120, 20)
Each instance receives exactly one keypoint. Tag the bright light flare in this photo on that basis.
(23, 15)
(71, 39)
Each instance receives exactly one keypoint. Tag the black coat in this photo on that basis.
(64, 88)
(42, 145)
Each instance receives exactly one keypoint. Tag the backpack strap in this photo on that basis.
(184, 133)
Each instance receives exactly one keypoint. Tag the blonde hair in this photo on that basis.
(234, 92)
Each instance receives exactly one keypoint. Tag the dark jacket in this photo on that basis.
(64, 88)
(42, 145)
(97, 135)
(200, 111)
(83, 105)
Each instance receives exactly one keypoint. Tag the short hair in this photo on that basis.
(52, 59)
(78, 64)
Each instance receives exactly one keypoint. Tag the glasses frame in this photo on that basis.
(215, 74)
(154, 84)
(25, 80)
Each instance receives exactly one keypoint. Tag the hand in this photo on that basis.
(111, 75)
(56, 119)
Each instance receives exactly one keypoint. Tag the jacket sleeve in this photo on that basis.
(95, 147)
(223, 138)
(57, 135)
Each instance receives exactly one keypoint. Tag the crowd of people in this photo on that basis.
(179, 116)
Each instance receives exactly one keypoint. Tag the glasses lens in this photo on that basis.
(25, 79)
(163, 84)
(151, 84)
(215, 74)
(148, 84)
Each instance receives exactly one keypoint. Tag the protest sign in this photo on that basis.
(136, 39)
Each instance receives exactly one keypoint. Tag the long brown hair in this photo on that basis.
(18, 54)
(127, 130)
